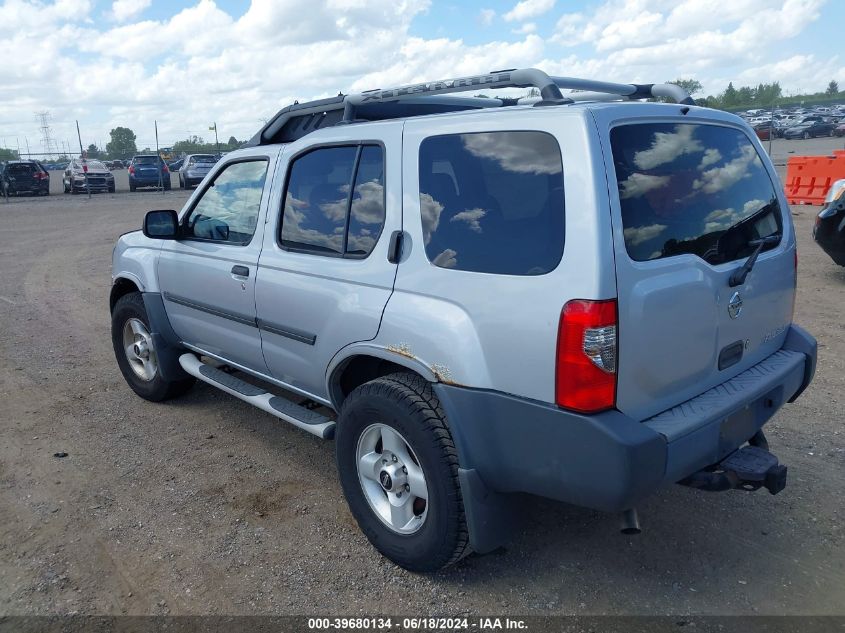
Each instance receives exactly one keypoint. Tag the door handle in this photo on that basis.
(240, 271)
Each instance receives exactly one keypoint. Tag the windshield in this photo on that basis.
(697, 189)
(95, 164)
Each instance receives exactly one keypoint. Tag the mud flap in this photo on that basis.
(489, 519)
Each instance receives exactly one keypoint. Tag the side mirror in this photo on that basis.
(161, 224)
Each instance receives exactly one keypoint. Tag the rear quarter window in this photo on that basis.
(492, 202)
(697, 189)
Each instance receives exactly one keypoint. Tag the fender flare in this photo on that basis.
(397, 355)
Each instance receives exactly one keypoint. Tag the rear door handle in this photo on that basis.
(240, 271)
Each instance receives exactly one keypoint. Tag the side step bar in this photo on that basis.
(307, 420)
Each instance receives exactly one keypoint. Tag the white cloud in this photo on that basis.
(711, 157)
(527, 9)
(203, 63)
(528, 27)
(639, 234)
(721, 178)
(472, 218)
(123, 10)
(667, 146)
(638, 184)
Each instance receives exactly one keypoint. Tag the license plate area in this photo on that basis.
(741, 425)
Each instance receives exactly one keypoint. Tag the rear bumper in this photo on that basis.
(609, 461)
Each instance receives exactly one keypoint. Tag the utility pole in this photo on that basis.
(84, 162)
(216, 142)
(160, 168)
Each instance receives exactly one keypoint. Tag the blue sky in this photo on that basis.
(188, 63)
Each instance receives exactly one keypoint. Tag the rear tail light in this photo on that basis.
(586, 356)
(164, 168)
(132, 169)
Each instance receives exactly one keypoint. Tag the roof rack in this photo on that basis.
(297, 120)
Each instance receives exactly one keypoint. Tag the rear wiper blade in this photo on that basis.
(738, 276)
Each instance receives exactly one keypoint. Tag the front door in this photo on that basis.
(207, 277)
(324, 275)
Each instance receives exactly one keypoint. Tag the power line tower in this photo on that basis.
(48, 143)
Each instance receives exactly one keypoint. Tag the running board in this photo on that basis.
(306, 419)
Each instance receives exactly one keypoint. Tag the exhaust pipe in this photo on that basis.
(630, 522)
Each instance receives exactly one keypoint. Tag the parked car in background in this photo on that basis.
(148, 170)
(839, 130)
(765, 130)
(829, 230)
(195, 168)
(24, 176)
(175, 165)
(809, 129)
(99, 179)
(117, 164)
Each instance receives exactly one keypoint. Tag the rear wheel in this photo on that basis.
(399, 470)
(131, 187)
(135, 352)
(806, 135)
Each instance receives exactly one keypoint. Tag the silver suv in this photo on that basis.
(582, 297)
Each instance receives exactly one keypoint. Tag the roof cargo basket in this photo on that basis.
(297, 120)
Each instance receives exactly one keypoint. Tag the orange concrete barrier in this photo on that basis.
(808, 178)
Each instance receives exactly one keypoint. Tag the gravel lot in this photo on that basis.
(205, 505)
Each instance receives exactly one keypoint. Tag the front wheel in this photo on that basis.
(136, 354)
(399, 470)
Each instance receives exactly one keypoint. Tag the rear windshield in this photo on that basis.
(697, 189)
(23, 168)
(203, 159)
(146, 160)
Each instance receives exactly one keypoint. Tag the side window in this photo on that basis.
(366, 217)
(228, 208)
(492, 202)
(326, 212)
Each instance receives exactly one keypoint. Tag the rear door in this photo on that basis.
(689, 198)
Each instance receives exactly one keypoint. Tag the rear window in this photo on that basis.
(146, 160)
(492, 202)
(697, 189)
(202, 159)
(23, 168)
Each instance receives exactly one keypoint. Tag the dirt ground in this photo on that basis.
(207, 506)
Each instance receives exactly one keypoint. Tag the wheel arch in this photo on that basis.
(123, 285)
(355, 366)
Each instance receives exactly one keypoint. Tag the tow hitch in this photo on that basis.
(749, 468)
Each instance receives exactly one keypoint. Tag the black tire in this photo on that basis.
(131, 306)
(806, 135)
(111, 188)
(405, 402)
(182, 183)
(132, 187)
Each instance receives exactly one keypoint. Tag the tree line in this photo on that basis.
(760, 96)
